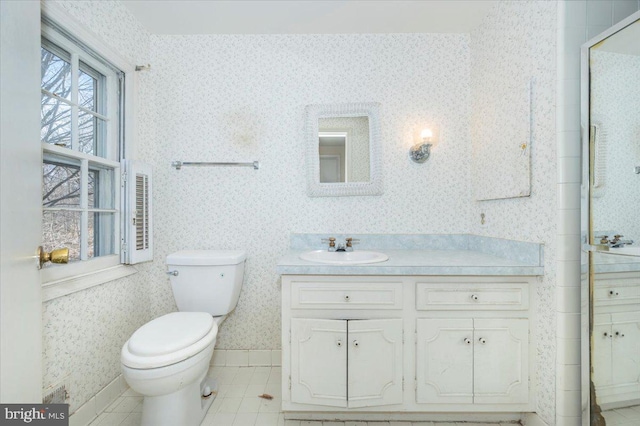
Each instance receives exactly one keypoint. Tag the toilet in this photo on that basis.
(167, 359)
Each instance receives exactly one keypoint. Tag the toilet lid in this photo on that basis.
(169, 339)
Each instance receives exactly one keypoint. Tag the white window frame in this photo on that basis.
(65, 279)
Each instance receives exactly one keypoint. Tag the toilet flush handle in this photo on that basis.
(174, 273)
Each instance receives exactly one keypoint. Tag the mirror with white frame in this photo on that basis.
(612, 148)
(343, 150)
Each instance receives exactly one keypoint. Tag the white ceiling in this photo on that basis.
(308, 16)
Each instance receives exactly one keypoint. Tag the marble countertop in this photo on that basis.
(607, 263)
(415, 262)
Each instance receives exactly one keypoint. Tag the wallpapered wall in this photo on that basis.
(515, 42)
(615, 97)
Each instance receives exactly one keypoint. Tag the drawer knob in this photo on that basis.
(347, 298)
(607, 334)
(613, 293)
(482, 340)
(339, 343)
(467, 341)
(474, 297)
(619, 334)
(355, 343)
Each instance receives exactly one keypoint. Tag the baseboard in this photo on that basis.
(532, 419)
(246, 358)
(91, 409)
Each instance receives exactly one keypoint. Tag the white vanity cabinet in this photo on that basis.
(476, 354)
(405, 345)
(472, 361)
(346, 363)
(616, 338)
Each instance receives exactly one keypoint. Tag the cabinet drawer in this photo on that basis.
(617, 292)
(346, 295)
(477, 296)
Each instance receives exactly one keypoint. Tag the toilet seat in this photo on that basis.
(169, 339)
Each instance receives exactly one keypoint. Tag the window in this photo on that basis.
(81, 132)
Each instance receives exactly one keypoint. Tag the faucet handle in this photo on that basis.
(617, 236)
(350, 241)
(604, 239)
(331, 241)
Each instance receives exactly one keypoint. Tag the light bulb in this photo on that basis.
(426, 134)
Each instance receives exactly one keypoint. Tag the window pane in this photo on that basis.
(101, 234)
(61, 229)
(101, 188)
(56, 74)
(91, 134)
(56, 122)
(87, 91)
(60, 184)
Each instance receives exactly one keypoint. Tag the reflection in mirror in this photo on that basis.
(343, 150)
(614, 101)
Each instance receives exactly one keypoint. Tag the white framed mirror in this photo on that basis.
(343, 150)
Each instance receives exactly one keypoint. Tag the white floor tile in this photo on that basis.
(267, 419)
(109, 419)
(133, 419)
(230, 405)
(245, 419)
(224, 419)
(254, 390)
(233, 391)
(249, 405)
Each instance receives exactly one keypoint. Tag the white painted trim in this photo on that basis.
(532, 419)
(64, 287)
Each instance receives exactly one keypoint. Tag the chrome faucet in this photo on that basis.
(346, 246)
(616, 242)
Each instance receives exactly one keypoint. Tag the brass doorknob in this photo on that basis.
(60, 255)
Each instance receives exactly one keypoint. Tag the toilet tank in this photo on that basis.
(206, 280)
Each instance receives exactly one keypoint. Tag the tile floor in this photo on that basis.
(628, 416)
(237, 404)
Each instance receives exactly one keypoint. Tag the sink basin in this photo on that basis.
(344, 257)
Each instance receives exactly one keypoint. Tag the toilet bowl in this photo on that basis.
(167, 359)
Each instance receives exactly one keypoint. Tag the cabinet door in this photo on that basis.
(375, 362)
(501, 361)
(319, 362)
(625, 351)
(602, 340)
(444, 361)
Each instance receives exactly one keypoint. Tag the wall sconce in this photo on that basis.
(421, 151)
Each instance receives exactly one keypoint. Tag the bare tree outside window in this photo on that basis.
(61, 189)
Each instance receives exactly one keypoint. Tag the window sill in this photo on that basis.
(66, 286)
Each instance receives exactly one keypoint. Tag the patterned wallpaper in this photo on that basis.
(615, 97)
(517, 41)
(242, 98)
